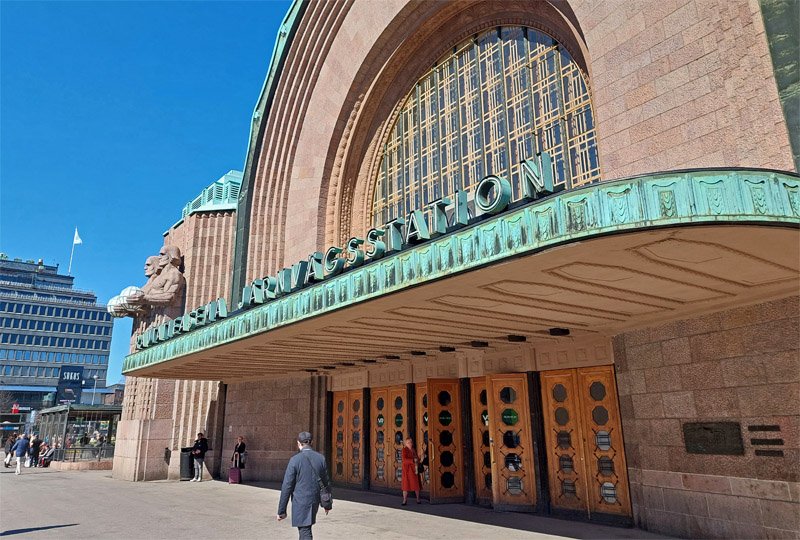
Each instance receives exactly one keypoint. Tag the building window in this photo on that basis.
(498, 99)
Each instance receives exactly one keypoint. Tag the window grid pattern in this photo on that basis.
(496, 100)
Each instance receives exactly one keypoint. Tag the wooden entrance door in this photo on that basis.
(446, 467)
(481, 441)
(347, 429)
(422, 440)
(389, 430)
(512, 455)
(586, 457)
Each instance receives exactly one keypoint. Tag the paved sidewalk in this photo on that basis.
(43, 503)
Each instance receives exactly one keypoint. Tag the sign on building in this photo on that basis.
(70, 383)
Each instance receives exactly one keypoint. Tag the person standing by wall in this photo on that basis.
(199, 450)
(239, 453)
(410, 472)
(301, 483)
(20, 450)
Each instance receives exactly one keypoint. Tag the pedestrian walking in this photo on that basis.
(306, 475)
(9, 444)
(410, 472)
(36, 444)
(20, 450)
(199, 450)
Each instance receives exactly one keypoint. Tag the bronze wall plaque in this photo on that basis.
(716, 438)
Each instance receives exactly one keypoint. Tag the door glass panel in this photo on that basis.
(480, 441)
(510, 442)
(378, 468)
(445, 459)
(340, 444)
(347, 437)
(583, 432)
(357, 452)
(422, 433)
(607, 471)
(389, 411)
(565, 460)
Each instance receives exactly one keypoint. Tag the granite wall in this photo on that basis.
(743, 366)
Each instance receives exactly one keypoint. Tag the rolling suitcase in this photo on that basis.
(235, 473)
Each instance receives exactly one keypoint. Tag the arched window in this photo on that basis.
(498, 99)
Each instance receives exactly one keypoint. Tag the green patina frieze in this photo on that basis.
(658, 200)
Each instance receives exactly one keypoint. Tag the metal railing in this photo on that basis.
(84, 453)
(56, 288)
(43, 298)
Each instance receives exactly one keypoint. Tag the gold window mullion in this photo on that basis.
(458, 134)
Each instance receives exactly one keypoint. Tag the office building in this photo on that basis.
(46, 327)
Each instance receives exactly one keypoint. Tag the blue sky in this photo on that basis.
(113, 115)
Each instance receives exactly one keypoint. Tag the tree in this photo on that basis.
(6, 401)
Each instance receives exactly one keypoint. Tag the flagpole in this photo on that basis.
(71, 253)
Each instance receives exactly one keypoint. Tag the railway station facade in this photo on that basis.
(554, 242)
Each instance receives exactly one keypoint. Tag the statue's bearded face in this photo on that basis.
(169, 255)
(151, 266)
(163, 258)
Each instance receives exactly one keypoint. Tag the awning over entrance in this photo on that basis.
(602, 259)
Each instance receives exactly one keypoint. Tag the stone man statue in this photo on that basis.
(161, 298)
(164, 289)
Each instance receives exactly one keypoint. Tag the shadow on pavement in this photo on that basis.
(34, 529)
(463, 512)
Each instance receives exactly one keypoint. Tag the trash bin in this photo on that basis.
(187, 464)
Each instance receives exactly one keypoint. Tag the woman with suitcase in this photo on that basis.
(237, 461)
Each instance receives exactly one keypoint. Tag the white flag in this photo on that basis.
(76, 239)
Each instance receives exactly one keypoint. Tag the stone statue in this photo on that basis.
(162, 297)
(165, 285)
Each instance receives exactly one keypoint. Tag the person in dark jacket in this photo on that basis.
(300, 484)
(36, 444)
(199, 450)
(239, 456)
(20, 450)
(9, 444)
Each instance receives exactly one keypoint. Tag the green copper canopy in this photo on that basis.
(671, 199)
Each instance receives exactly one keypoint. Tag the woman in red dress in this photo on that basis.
(410, 475)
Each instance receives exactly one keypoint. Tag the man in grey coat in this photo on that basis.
(300, 483)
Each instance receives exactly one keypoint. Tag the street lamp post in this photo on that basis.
(95, 388)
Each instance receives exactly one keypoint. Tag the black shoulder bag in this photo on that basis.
(325, 497)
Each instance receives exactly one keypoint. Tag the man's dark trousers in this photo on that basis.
(305, 532)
